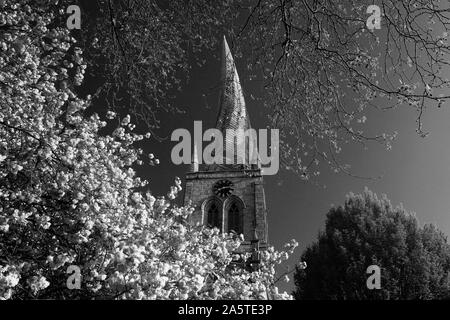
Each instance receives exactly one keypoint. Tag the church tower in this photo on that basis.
(229, 196)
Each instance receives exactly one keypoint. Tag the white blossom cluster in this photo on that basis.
(70, 196)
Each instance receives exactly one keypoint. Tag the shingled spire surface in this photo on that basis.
(232, 109)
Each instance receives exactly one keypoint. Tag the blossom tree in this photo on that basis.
(69, 196)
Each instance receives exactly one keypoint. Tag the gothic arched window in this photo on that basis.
(235, 218)
(213, 215)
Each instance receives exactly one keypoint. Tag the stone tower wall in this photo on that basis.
(248, 186)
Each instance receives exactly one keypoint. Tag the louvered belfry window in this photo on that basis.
(213, 211)
(234, 218)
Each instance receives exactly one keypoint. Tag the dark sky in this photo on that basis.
(416, 172)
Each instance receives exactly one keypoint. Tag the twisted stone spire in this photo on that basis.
(232, 109)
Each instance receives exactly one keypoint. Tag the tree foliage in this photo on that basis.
(70, 196)
(141, 50)
(414, 260)
(321, 70)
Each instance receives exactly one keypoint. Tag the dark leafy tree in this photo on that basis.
(414, 260)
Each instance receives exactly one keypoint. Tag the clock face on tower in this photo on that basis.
(223, 188)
